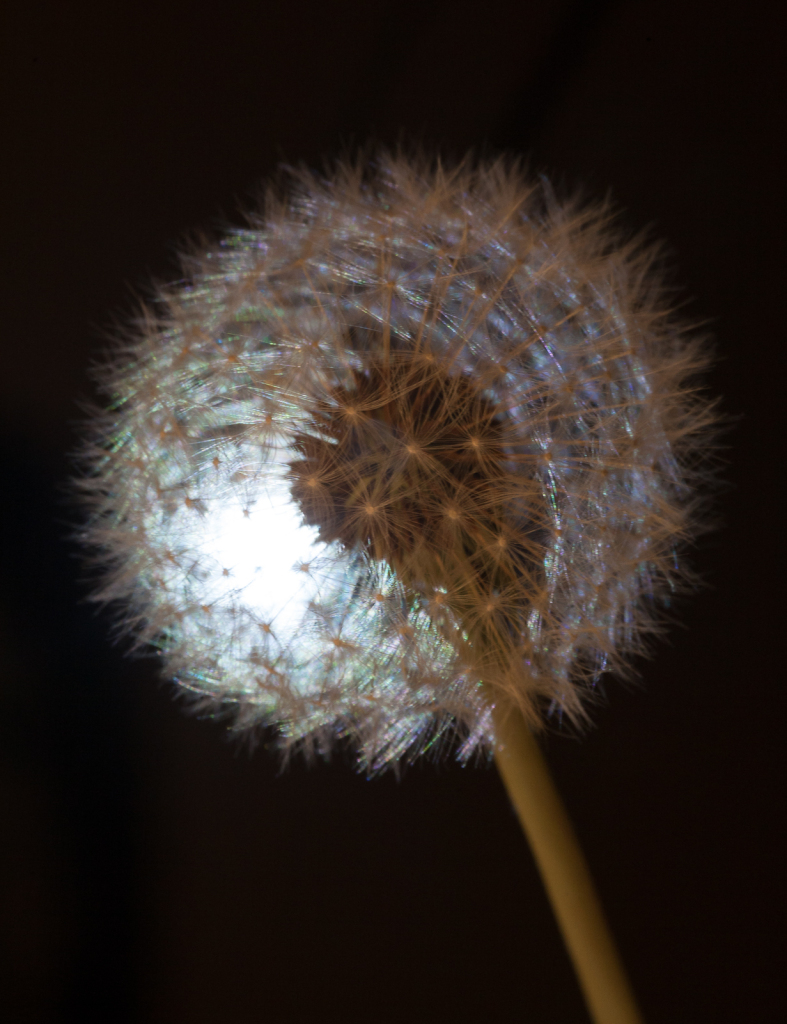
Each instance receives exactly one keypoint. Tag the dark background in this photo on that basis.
(152, 870)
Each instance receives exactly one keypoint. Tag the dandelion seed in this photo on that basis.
(479, 469)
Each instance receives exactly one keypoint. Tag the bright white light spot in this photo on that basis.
(263, 550)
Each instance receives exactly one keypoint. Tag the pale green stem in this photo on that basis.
(564, 872)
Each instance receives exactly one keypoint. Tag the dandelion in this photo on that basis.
(416, 447)
(414, 436)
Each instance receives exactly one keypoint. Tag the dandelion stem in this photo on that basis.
(564, 872)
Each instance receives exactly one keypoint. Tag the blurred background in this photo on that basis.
(154, 871)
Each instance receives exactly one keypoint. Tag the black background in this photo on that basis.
(151, 869)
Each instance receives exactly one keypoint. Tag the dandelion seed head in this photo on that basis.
(414, 435)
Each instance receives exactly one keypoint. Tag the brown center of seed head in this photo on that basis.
(417, 475)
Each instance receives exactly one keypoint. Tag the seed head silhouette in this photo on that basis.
(415, 439)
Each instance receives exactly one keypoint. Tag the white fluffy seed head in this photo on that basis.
(415, 437)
